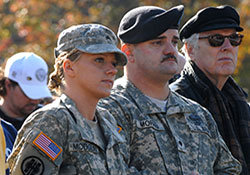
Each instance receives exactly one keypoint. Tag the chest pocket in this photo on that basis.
(196, 124)
(86, 157)
(67, 169)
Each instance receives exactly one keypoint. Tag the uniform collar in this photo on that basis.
(175, 103)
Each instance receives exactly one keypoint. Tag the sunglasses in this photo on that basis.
(218, 39)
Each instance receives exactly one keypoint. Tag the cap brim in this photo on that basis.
(36, 92)
(105, 48)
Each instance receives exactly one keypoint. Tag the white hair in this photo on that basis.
(192, 42)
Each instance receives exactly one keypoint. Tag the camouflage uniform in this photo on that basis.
(183, 140)
(73, 149)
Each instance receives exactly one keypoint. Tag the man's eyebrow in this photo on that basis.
(159, 37)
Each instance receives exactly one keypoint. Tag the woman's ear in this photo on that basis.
(127, 49)
(68, 67)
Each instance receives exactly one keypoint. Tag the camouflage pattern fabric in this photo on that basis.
(183, 140)
(90, 38)
(73, 148)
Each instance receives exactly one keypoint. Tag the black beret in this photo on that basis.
(147, 22)
(211, 18)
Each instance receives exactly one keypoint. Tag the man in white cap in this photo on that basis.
(22, 87)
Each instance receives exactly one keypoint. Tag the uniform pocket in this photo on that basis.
(196, 124)
(87, 157)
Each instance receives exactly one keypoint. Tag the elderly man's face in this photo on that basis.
(219, 61)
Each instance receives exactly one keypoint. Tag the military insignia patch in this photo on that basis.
(119, 129)
(32, 165)
(48, 146)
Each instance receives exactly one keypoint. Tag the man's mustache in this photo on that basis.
(167, 57)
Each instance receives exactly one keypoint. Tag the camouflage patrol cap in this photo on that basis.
(90, 38)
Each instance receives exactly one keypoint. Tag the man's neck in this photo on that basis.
(218, 81)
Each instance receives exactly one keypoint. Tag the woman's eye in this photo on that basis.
(99, 60)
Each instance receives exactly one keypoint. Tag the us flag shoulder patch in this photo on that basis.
(47, 145)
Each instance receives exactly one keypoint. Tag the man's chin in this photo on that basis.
(30, 110)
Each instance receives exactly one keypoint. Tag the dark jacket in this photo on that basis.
(228, 107)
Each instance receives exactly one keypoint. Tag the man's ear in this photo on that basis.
(127, 49)
(7, 84)
(190, 50)
(68, 67)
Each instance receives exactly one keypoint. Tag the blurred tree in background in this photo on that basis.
(34, 25)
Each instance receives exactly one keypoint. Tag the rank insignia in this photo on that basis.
(119, 129)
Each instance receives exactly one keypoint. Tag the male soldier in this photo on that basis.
(22, 86)
(169, 134)
(211, 44)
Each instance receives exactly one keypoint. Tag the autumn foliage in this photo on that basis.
(34, 25)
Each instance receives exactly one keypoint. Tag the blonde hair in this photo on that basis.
(56, 78)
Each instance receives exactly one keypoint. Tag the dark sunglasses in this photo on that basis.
(218, 39)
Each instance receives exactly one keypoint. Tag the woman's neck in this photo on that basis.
(85, 104)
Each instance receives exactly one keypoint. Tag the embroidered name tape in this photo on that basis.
(83, 146)
(48, 146)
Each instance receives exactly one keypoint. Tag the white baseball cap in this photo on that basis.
(30, 72)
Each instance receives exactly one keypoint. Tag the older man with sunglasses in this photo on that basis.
(211, 43)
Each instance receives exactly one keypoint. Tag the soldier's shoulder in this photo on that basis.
(53, 110)
(116, 98)
(189, 103)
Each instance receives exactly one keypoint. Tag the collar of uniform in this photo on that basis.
(109, 127)
(105, 120)
(145, 105)
(180, 104)
(176, 103)
(81, 123)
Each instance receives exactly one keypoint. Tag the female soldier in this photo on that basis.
(71, 135)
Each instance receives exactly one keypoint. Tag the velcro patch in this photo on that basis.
(32, 165)
(48, 146)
